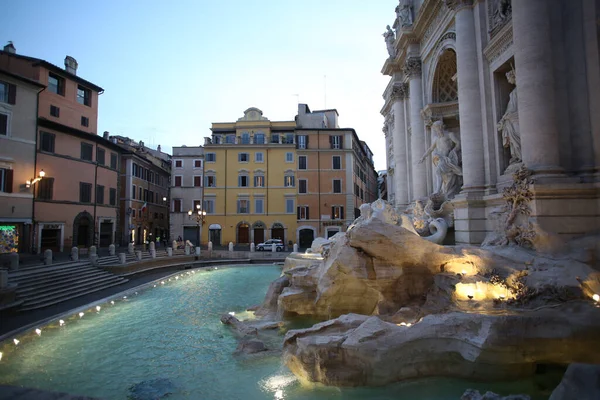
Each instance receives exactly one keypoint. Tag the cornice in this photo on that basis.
(438, 111)
(501, 41)
(457, 5)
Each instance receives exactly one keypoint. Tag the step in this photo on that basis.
(57, 289)
(75, 294)
(29, 280)
(67, 291)
(41, 287)
(45, 269)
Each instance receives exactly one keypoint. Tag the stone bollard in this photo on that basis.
(14, 261)
(187, 250)
(198, 251)
(152, 246)
(3, 279)
(252, 247)
(74, 254)
(174, 244)
(122, 258)
(170, 251)
(295, 247)
(93, 251)
(273, 248)
(231, 247)
(94, 259)
(138, 255)
(111, 249)
(210, 246)
(130, 248)
(153, 253)
(48, 257)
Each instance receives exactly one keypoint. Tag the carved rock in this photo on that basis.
(581, 382)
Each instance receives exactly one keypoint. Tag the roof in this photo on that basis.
(46, 123)
(54, 68)
(22, 78)
(330, 109)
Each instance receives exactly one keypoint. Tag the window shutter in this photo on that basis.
(331, 142)
(12, 94)
(306, 141)
(342, 212)
(298, 212)
(341, 141)
(9, 180)
(332, 212)
(307, 217)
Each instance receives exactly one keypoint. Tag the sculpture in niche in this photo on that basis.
(445, 155)
(509, 124)
(404, 13)
(390, 38)
(499, 13)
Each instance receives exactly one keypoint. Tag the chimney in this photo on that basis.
(106, 135)
(71, 65)
(10, 48)
(158, 148)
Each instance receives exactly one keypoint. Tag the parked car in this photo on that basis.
(268, 245)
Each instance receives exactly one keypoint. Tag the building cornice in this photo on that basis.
(499, 43)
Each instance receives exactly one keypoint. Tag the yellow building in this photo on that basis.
(250, 181)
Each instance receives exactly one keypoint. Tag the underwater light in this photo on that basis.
(162, 282)
(596, 297)
(38, 331)
(125, 297)
(98, 308)
(61, 322)
(16, 342)
(80, 315)
(177, 277)
(112, 302)
(231, 313)
(0, 356)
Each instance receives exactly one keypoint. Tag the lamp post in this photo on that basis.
(199, 216)
(33, 181)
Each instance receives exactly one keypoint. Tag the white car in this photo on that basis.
(268, 245)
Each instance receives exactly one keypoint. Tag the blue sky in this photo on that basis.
(171, 68)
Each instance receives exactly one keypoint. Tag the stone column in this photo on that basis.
(469, 97)
(535, 83)
(398, 122)
(417, 142)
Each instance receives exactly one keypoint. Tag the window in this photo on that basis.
(259, 181)
(47, 142)
(6, 180)
(162, 216)
(85, 121)
(259, 138)
(243, 157)
(288, 138)
(134, 169)
(56, 84)
(210, 181)
(356, 190)
(133, 192)
(145, 195)
(140, 194)
(86, 151)
(243, 206)
(133, 212)
(362, 194)
(210, 157)
(113, 160)
(301, 162)
(302, 184)
(337, 162)
(230, 139)
(336, 141)
(337, 186)
(245, 138)
(45, 188)
(289, 157)
(84, 96)
(100, 153)
(274, 138)
(54, 111)
(243, 180)
(198, 181)
(289, 181)
(178, 163)
(209, 206)
(259, 206)
(302, 142)
(150, 196)
(178, 181)
(259, 157)
(100, 194)
(337, 212)
(8, 93)
(303, 212)
(195, 205)
(197, 163)
(85, 192)
(176, 205)
(3, 124)
(289, 206)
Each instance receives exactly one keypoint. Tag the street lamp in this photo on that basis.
(199, 216)
(33, 181)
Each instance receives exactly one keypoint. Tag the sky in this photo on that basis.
(171, 68)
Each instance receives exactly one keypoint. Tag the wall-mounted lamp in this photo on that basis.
(33, 181)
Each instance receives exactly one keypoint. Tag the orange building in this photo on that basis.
(76, 202)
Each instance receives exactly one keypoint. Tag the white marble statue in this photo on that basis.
(445, 155)
(404, 13)
(390, 38)
(509, 123)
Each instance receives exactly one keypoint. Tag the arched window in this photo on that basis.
(445, 88)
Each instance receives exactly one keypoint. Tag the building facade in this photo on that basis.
(18, 116)
(479, 89)
(75, 203)
(187, 193)
(144, 192)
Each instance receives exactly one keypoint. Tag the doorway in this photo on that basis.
(106, 232)
(214, 235)
(50, 239)
(306, 237)
(243, 234)
(277, 232)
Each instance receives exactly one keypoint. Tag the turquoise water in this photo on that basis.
(172, 332)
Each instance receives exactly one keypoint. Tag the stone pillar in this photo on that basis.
(3, 279)
(188, 250)
(295, 247)
(469, 96)
(130, 248)
(48, 257)
(170, 251)
(138, 255)
(74, 254)
(94, 259)
(252, 247)
(153, 253)
(210, 247)
(111, 249)
(122, 258)
(198, 250)
(273, 248)
(417, 142)
(93, 251)
(174, 244)
(231, 247)
(152, 246)
(535, 85)
(398, 125)
(13, 261)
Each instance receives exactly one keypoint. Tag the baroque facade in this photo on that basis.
(480, 89)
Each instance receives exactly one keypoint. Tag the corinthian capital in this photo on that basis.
(412, 66)
(457, 5)
(399, 91)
